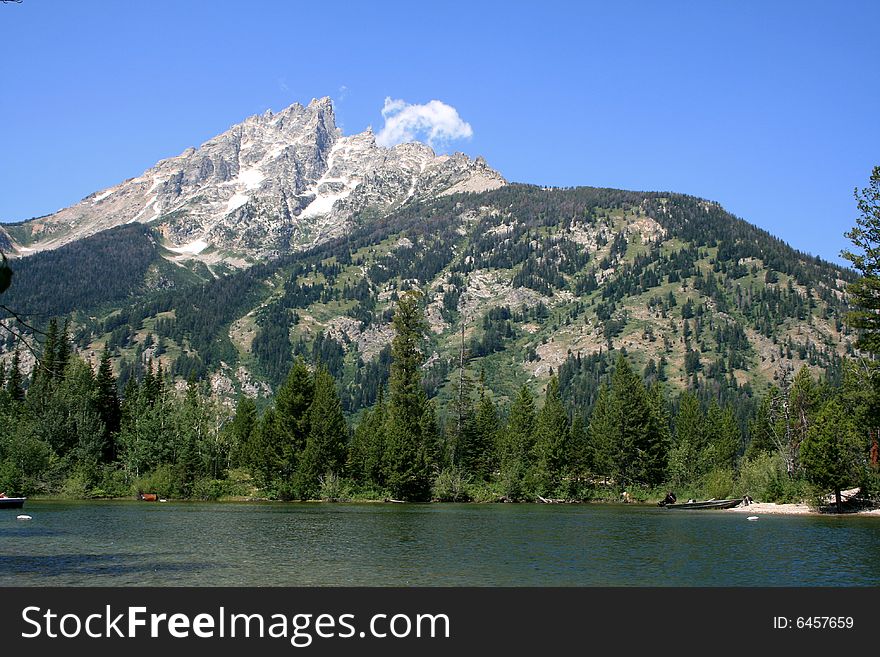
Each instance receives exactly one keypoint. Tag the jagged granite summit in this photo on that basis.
(273, 183)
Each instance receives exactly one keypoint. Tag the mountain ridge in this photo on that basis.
(289, 238)
(276, 182)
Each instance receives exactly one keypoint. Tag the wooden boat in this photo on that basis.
(12, 502)
(706, 504)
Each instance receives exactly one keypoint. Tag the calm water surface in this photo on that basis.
(231, 544)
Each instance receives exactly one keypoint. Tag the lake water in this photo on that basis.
(275, 544)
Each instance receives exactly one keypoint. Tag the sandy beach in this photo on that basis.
(770, 508)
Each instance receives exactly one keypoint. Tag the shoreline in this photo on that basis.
(796, 509)
(752, 509)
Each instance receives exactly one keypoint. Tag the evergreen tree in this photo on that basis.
(552, 441)
(62, 350)
(803, 400)
(191, 449)
(832, 453)
(580, 456)
(292, 415)
(723, 437)
(763, 427)
(241, 427)
(687, 463)
(865, 292)
(518, 443)
(324, 452)
(485, 437)
(108, 404)
(636, 428)
(367, 449)
(47, 368)
(602, 433)
(264, 454)
(432, 437)
(14, 379)
(461, 450)
(407, 470)
(660, 442)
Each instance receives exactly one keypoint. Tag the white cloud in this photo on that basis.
(434, 122)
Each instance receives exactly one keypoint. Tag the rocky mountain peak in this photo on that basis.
(272, 183)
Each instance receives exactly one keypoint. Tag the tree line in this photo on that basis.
(66, 430)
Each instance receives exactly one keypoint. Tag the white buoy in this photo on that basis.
(24, 517)
(752, 518)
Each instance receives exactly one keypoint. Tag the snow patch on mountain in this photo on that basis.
(273, 183)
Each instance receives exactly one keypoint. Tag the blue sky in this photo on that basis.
(770, 108)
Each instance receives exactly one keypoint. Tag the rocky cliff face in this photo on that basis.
(273, 183)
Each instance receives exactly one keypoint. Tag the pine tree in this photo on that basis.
(832, 454)
(47, 369)
(149, 387)
(552, 441)
(635, 426)
(580, 457)
(15, 380)
(803, 400)
(264, 454)
(687, 463)
(62, 350)
(865, 292)
(292, 414)
(407, 469)
(601, 434)
(517, 444)
(366, 453)
(324, 452)
(241, 427)
(723, 437)
(763, 427)
(660, 438)
(462, 449)
(486, 437)
(108, 404)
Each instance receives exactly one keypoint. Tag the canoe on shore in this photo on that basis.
(706, 504)
(12, 502)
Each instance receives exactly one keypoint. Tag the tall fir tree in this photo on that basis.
(601, 434)
(366, 452)
(62, 350)
(660, 438)
(15, 379)
(552, 447)
(324, 453)
(292, 415)
(723, 437)
(764, 430)
(47, 368)
(865, 257)
(486, 436)
(635, 426)
(241, 427)
(832, 453)
(108, 405)
(687, 460)
(407, 470)
(517, 445)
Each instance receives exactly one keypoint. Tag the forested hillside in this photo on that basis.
(521, 288)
